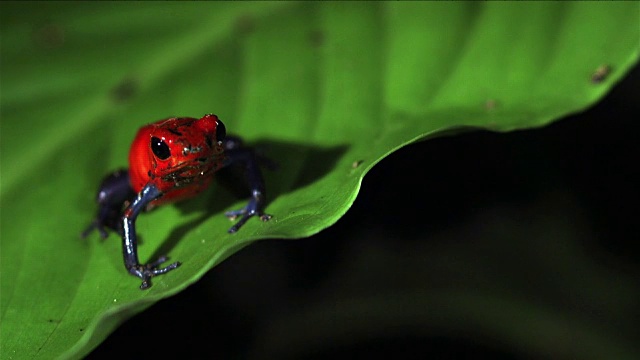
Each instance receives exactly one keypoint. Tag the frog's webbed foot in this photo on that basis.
(97, 225)
(107, 219)
(254, 208)
(147, 271)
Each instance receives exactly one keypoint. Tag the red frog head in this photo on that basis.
(178, 155)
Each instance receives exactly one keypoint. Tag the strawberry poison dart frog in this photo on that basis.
(171, 160)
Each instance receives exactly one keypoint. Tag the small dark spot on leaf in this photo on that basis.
(244, 25)
(49, 36)
(601, 74)
(316, 38)
(490, 104)
(124, 90)
(81, 329)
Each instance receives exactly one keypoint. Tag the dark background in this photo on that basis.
(423, 197)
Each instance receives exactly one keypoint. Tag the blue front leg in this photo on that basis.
(130, 242)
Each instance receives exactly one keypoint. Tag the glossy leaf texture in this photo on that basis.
(325, 89)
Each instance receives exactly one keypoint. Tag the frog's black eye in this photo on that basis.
(160, 148)
(221, 131)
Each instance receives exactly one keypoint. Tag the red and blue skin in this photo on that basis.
(172, 160)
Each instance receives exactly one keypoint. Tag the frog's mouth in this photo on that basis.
(184, 174)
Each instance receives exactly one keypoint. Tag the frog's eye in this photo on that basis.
(221, 131)
(160, 148)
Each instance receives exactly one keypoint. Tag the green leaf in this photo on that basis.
(326, 89)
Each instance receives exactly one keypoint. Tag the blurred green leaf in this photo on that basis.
(326, 89)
